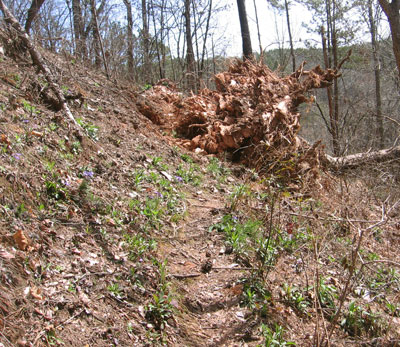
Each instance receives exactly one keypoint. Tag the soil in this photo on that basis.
(113, 239)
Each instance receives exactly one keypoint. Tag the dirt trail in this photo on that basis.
(207, 279)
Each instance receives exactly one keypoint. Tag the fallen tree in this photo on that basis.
(356, 160)
(252, 117)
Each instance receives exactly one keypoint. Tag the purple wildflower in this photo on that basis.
(159, 194)
(179, 178)
(88, 174)
(17, 156)
(65, 182)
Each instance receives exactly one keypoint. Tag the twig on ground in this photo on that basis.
(183, 276)
(233, 268)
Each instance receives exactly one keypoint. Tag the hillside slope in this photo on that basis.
(123, 238)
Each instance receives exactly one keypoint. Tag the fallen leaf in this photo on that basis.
(36, 293)
(4, 139)
(21, 240)
(36, 133)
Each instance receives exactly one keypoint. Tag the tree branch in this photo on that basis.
(38, 60)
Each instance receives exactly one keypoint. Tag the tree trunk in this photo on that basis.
(190, 62)
(244, 27)
(158, 32)
(356, 160)
(258, 31)
(377, 72)
(80, 41)
(203, 53)
(392, 13)
(129, 17)
(32, 13)
(290, 36)
(97, 40)
(332, 126)
(96, 35)
(336, 144)
(146, 45)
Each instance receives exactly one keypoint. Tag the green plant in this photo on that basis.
(393, 309)
(53, 126)
(29, 108)
(216, 169)
(139, 245)
(55, 190)
(238, 194)
(295, 298)
(114, 289)
(187, 158)
(327, 294)
(153, 210)
(156, 161)
(255, 295)
(160, 309)
(234, 232)
(266, 251)
(189, 175)
(72, 287)
(76, 147)
(20, 210)
(52, 339)
(138, 176)
(91, 130)
(147, 86)
(384, 279)
(358, 321)
(274, 338)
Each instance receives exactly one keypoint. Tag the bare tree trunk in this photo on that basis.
(377, 72)
(190, 62)
(96, 34)
(332, 126)
(360, 159)
(336, 147)
(157, 43)
(290, 36)
(80, 38)
(392, 13)
(163, 45)
(97, 40)
(244, 27)
(146, 44)
(203, 53)
(129, 34)
(258, 31)
(37, 60)
(32, 13)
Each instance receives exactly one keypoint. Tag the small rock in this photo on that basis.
(228, 249)
(206, 266)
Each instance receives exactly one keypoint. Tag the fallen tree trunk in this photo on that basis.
(360, 159)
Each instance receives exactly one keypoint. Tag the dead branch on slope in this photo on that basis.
(38, 61)
(359, 159)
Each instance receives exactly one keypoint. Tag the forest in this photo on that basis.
(161, 186)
